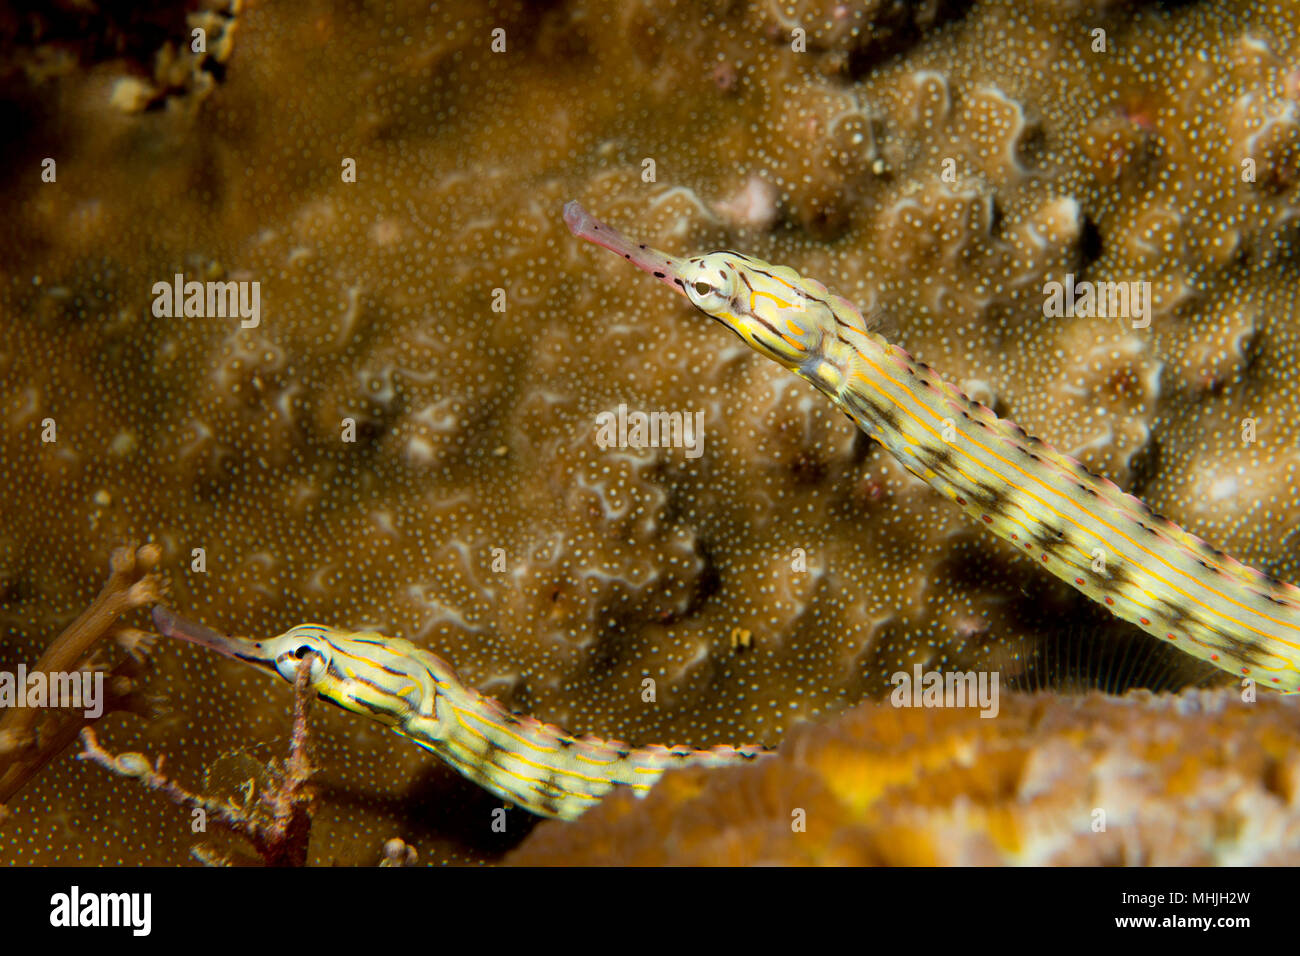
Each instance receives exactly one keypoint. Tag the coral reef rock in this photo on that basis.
(1193, 780)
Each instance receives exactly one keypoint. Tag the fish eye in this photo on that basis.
(702, 288)
(288, 662)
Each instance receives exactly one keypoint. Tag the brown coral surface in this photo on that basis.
(939, 178)
(1199, 779)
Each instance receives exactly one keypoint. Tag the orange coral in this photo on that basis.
(1192, 780)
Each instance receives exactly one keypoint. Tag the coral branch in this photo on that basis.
(289, 800)
(132, 583)
(151, 776)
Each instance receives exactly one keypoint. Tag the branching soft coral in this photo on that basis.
(276, 820)
(30, 737)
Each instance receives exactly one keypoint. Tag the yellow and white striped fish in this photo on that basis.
(531, 764)
(1079, 526)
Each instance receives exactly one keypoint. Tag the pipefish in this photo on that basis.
(415, 692)
(1108, 544)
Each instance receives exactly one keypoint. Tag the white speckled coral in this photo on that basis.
(477, 427)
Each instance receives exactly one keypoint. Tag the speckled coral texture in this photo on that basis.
(476, 428)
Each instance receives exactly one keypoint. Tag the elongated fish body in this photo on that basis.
(1108, 544)
(524, 761)
(1076, 525)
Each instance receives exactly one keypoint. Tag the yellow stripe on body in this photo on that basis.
(518, 755)
(1090, 518)
(1239, 617)
(1074, 502)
